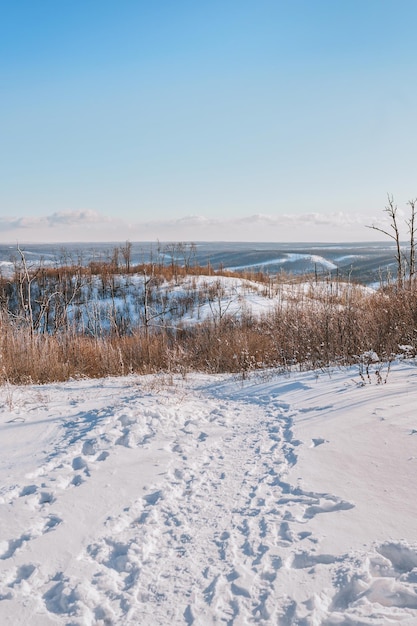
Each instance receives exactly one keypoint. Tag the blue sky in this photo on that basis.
(242, 120)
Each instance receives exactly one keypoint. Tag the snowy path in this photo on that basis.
(129, 501)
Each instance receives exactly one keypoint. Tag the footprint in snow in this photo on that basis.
(153, 498)
(24, 572)
(52, 522)
(318, 442)
(78, 463)
(46, 497)
(13, 545)
(327, 507)
(28, 491)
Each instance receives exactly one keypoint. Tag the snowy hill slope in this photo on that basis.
(277, 500)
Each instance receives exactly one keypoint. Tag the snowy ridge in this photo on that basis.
(198, 298)
(210, 500)
(293, 257)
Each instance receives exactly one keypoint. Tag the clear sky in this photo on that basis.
(273, 120)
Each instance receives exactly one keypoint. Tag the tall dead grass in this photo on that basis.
(302, 333)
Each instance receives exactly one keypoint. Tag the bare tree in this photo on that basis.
(171, 250)
(187, 252)
(26, 279)
(411, 223)
(150, 312)
(126, 252)
(391, 209)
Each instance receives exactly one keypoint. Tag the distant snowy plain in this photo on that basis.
(280, 499)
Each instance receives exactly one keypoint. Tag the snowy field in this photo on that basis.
(288, 500)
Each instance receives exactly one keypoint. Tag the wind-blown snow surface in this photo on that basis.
(146, 501)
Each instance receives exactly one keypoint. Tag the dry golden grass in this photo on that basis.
(308, 329)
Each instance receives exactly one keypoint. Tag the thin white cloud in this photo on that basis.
(19, 223)
(336, 219)
(75, 218)
(336, 226)
(90, 225)
(59, 218)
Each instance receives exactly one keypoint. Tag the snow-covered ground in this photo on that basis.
(193, 299)
(286, 500)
